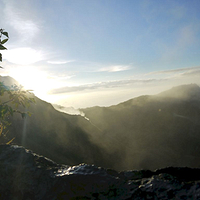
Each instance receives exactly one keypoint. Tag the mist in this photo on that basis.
(145, 132)
(68, 110)
(151, 131)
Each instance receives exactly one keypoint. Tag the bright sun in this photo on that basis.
(33, 79)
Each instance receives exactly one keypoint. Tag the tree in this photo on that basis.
(3, 41)
(13, 99)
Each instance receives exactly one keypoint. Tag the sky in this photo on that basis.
(84, 53)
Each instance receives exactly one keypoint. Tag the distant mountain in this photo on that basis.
(149, 132)
(8, 81)
(152, 131)
(183, 92)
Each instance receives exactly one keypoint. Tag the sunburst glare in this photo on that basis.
(33, 79)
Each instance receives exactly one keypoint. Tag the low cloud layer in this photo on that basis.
(102, 85)
(169, 77)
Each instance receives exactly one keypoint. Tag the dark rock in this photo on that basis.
(28, 176)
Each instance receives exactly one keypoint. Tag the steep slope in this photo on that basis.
(152, 131)
(8, 81)
(147, 132)
(56, 135)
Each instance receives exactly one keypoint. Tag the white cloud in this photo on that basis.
(69, 110)
(193, 73)
(60, 62)
(188, 69)
(177, 76)
(23, 56)
(116, 68)
(103, 85)
(22, 23)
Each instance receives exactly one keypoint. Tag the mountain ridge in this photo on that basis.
(154, 129)
(184, 92)
(189, 91)
(146, 132)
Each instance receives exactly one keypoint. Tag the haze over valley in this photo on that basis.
(146, 132)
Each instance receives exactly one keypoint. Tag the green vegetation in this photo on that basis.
(13, 99)
(3, 39)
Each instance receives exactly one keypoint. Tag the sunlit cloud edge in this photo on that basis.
(174, 70)
(186, 73)
(59, 62)
(115, 68)
(105, 85)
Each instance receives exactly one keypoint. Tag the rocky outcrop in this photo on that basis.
(25, 175)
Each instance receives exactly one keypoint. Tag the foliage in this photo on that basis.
(13, 99)
(3, 39)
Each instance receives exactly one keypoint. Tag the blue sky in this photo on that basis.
(100, 52)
